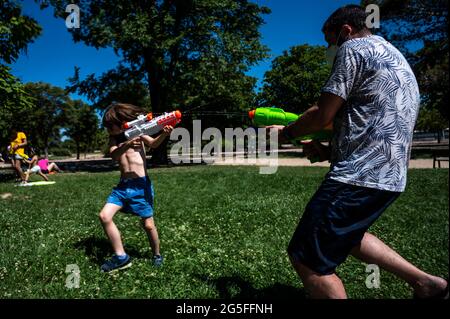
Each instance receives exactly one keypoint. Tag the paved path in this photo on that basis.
(240, 160)
(417, 163)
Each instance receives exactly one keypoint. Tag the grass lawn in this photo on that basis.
(224, 233)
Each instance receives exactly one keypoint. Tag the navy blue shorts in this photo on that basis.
(134, 195)
(334, 222)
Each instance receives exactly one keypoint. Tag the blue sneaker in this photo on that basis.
(158, 260)
(116, 263)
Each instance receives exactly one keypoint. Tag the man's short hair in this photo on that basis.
(352, 15)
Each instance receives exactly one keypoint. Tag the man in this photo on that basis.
(17, 151)
(372, 99)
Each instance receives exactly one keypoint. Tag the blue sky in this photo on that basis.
(53, 56)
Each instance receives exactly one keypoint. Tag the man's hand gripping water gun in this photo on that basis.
(269, 116)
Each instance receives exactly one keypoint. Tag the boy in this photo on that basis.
(134, 193)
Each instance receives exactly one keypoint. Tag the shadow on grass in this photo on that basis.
(237, 288)
(7, 177)
(99, 249)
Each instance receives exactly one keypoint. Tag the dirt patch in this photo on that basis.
(5, 195)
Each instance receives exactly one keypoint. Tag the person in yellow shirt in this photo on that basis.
(17, 151)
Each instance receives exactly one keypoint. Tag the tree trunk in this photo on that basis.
(78, 150)
(158, 100)
(159, 155)
(46, 148)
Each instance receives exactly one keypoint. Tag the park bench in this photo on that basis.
(438, 151)
(440, 156)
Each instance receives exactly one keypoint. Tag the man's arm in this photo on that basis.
(317, 117)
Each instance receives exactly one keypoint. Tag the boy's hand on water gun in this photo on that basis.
(135, 143)
(167, 130)
(315, 151)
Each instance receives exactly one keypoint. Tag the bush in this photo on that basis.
(61, 152)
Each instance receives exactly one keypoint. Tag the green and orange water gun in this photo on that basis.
(266, 116)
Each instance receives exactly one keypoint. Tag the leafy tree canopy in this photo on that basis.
(175, 53)
(295, 79)
(16, 32)
(419, 28)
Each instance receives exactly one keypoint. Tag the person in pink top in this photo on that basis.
(47, 168)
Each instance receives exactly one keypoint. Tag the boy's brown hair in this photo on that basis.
(118, 113)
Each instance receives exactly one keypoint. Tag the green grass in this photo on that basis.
(224, 233)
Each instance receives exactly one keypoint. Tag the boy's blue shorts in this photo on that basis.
(135, 195)
(334, 222)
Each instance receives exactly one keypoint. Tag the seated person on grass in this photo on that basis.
(33, 168)
(46, 167)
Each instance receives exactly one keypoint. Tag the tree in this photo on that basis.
(16, 29)
(185, 53)
(432, 75)
(430, 120)
(295, 79)
(100, 142)
(16, 32)
(114, 85)
(13, 100)
(82, 125)
(419, 28)
(44, 119)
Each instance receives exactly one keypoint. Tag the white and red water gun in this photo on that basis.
(147, 125)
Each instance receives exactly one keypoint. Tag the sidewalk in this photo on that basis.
(416, 163)
(99, 163)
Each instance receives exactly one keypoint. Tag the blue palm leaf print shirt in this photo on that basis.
(373, 131)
